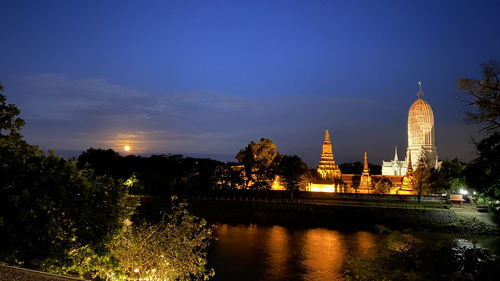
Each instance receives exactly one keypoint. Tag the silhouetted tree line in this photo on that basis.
(157, 174)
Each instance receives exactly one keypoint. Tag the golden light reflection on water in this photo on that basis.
(277, 245)
(280, 253)
(323, 254)
(259, 252)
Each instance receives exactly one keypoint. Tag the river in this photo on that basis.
(259, 252)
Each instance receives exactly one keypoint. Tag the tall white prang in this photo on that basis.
(421, 139)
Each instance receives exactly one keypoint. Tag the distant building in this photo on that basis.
(331, 178)
(329, 172)
(421, 145)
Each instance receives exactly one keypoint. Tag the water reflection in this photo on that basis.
(255, 252)
(323, 254)
(278, 251)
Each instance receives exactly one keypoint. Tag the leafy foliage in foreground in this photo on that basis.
(50, 211)
(172, 249)
(58, 218)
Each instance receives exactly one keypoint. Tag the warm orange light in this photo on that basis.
(321, 187)
(126, 148)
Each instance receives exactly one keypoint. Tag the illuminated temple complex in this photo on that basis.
(421, 146)
(331, 178)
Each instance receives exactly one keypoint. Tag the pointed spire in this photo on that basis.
(365, 166)
(420, 94)
(326, 166)
(409, 161)
(366, 181)
(396, 153)
(327, 136)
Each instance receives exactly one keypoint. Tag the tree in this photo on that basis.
(450, 177)
(483, 172)
(383, 186)
(422, 176)
(173, 249)
(58, 218)
(292, 171)
(258, 159)
(53, 216)
(484, 96)
(10, 122)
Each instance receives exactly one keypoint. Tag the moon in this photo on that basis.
(126, 148)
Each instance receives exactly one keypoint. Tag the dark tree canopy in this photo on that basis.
(10, 122)
(422, 178)
(450, 177)
(292, 171)
(483, 173)
(157, 174)
(51, 213)
(484, 96)
(259, 161)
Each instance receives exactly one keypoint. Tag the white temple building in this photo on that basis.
(421, 140)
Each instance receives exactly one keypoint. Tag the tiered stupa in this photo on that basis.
(326, 167)
(408, 184)
(366, 181)
(329, 172)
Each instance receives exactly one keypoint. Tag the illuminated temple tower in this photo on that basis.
(329, 172)
(420, 139)
(326, 167)
(408, 183)
(366, 181)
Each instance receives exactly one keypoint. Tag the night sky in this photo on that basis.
(208, 77)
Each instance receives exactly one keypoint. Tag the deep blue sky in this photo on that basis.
(210, 76)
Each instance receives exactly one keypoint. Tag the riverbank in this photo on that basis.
(333, 216)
